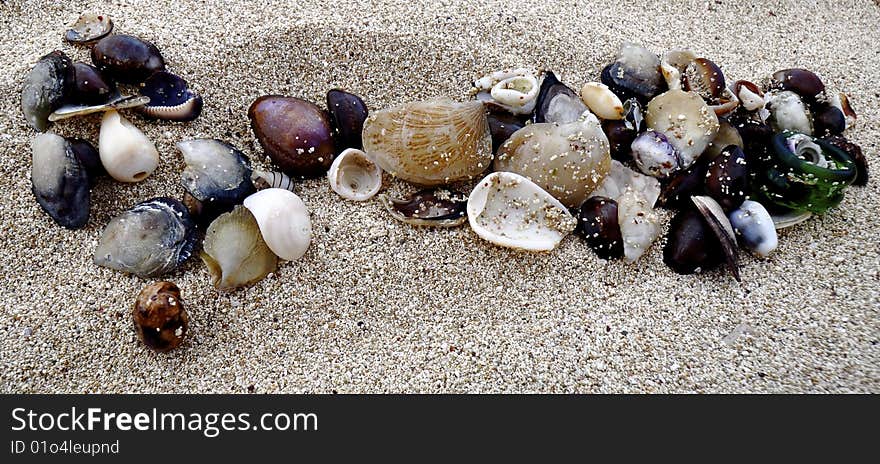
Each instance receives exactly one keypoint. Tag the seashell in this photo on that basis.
(271, 179)
(753, 225)
(88, 28)
(620, 178)
(802, 82)
(750, 95)
(686, 121)
(704, 77)
(126, 153)
(115, 103)
(842, 102)
(88, 156)
(639, 223)
(602, 101)
(654, 155)
(348, 113)
(788, 112)
(433, 208)
(152, 238)
(217, 175)
(724, 104)
(828, 119)
(557, 102)
(720, 225)
(44, 88)
(160, 318)
(727, 135)
(632, 114)
(127, 59)
(855, 152)
(515, 91)
(597, 223)
(59, 181)
(727, 178)
(691, 245)
(170, 98)
(683, 184)
(755, 133)
(353, 176)
(295, 133)
(284, 221)
(88, 86)
(430, 143)
(509, 210)
(235, 252)
(673, 64)
(620, 139)
(634, 74)
(566, 160)
(502, 126)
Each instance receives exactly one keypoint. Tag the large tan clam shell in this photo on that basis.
(431, 142)
(686, 120)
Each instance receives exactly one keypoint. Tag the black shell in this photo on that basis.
(551, 89)
(678, 189)
(627, 86)
(620, 138)
(502, 126)
(45, 88)
(756, 135)
(88, 156)
(170, 98)
(348, 113)
(598, 224)
(691, 244)
(727, 179)
(88, 86)
(855, 152)
(800, 81)
(60, 182)
(828, 120)
(127, 59)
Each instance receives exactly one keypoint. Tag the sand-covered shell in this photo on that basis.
(170, 98)
(509, 210)
(354, 176)
(750, 96)
(44, 88)
(59, 181)
(635, 73)
(431, 207)
(789, 112)
(235, 252)
(284, 221)
(566, 160)
(620, 178)
(686, 121)
(673, 64)
(430, 143)
(727, 179)
(754, 226)
(160, 317)
(216, 174)
(295, 133)
(126, 58)
(88, 28)
(602, 101)
(150, 239)
(639, 223)
(512, 90)
(126, 152)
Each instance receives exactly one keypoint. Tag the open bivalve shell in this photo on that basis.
(354, 176)
(509, 210)
(284, 221)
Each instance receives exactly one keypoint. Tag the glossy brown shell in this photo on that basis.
(295, 133)
(160, 317)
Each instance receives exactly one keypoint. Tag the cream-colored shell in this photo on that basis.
(639, 223)
(354, 176)
(686, 120)
(566, 160)
(430, 143)
(672, 66)
(235, 252)
(620, 178)
(284, 221)
(602, 101)
(509, 210)
(126, 153)
(514, 90)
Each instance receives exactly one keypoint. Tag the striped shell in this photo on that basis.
(271, 179)
(430, 143)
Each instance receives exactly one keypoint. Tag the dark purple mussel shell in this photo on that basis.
(705, 78)
(598, 225)
(502, 126)
(348, 112)
(88, 86)
(45, 88)
(828, 120)
(620, 138)
(691, 245)
(855, 152)
(88, 156)
(727, 178)
(557, 102)
(127, 59)
(59, 181)
(803, 82)
(679, 188)
(295, 133)
(431, 208)
(634, 74)
(170, 98)
(719, 223)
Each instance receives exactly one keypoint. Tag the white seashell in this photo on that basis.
(788, 112)
(754, 226)
(751, 101)
(672, 65)
(284, 221)
(271, 179)
(602, 101)
(620, 178)
(639, 223)
(117, 103)
(686, 121)
(126, 153)
(509, 210)
(514, 90)
(354, 176)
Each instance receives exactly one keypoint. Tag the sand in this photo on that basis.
(379, 306)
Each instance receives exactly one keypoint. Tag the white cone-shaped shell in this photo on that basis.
(602, 101)
(509, 210)
(284, 221)
(126, 153)
(353, 176)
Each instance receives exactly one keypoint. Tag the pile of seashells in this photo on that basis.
(735, 161)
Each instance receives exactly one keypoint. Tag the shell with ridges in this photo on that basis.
(235, 252)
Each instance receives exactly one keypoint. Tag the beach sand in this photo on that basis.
(379, 306)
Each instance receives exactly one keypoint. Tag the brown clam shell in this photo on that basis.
(295, 133)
